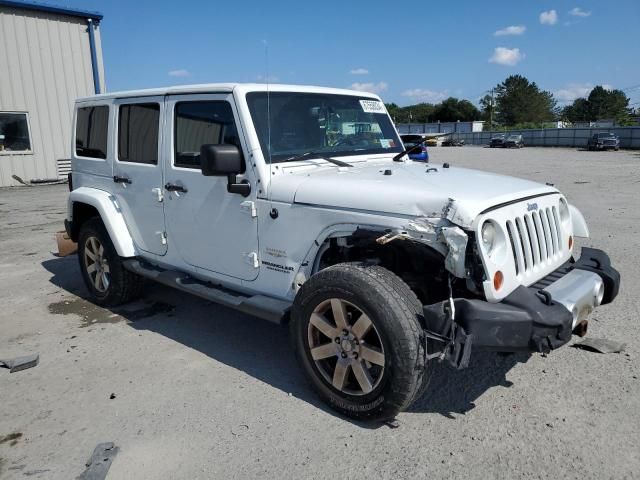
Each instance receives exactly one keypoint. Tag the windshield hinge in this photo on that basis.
(249, 207)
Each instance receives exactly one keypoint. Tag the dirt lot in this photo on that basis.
(200, 391)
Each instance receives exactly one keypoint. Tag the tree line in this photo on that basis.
(519, 103)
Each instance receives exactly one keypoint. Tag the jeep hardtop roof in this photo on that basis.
(225, 88)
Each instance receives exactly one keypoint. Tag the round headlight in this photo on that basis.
(488, 234)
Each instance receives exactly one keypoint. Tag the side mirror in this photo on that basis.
(220, 160)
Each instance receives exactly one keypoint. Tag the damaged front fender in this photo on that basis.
(456, 240)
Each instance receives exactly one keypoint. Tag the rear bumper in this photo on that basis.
(530, 318)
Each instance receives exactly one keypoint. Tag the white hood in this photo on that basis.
(413, 189)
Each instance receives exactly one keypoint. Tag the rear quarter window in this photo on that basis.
(92, 128)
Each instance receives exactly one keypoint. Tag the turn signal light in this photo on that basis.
(498, 280)
(570, 242)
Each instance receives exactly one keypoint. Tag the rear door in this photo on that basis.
(138, 170)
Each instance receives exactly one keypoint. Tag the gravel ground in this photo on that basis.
(188, 389)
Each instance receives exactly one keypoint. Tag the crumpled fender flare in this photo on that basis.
(111, 215)
(580, 228)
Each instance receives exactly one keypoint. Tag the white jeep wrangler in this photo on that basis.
(297, 204)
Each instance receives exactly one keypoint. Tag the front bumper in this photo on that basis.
(539, 318)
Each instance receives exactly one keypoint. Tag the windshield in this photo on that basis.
(321, 123)
(605, 135)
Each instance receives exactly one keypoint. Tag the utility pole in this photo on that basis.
(491, 112)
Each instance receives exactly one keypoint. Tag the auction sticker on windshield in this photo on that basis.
(373, 106)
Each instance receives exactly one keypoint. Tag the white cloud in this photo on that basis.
(425, 95)
(506, 56)
(179, 73)
(511, 30)
(370, 87)
(574, 91)
(549, 18)
(267, 78)
(359, 71)
(578, 12)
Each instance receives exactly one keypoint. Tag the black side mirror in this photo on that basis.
(220, 160)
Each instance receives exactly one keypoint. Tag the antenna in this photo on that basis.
(266, 62)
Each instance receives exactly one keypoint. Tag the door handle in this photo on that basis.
(119, 179)
(172, 187)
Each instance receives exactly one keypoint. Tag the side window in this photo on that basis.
(14, 132)
(91, 131)
(138, 126)
(201, 123)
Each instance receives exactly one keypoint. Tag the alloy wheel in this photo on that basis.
(346, 347)
(96, 264)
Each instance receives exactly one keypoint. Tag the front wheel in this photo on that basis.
(356, 332)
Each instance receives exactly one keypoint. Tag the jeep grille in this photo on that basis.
(535, 238)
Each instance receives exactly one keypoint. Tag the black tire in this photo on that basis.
(394, 311)
(123, 285)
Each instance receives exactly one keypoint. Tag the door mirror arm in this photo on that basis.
(243, 188)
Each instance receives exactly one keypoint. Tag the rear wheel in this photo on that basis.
(108, 282)
(357, 334)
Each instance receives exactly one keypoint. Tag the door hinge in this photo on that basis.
(249, 207)
(163, 237)
(251, 259)
(158, 192)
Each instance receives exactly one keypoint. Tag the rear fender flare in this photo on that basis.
(111, 215)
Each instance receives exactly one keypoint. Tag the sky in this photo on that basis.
(407, 52)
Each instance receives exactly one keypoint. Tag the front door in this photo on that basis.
(138, 171)
(209, 227)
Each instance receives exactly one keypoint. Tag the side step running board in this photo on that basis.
(261, 306)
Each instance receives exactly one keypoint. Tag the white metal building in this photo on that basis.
(49, 56)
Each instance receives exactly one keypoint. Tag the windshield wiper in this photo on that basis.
(302, 156)
(408, 150)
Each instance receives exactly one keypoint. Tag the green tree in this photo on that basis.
(578, 111)
(421, 112)
(452, 110)
(488, 110)
(395, 112)
(605, 103)
(600, 104)
(520, 101)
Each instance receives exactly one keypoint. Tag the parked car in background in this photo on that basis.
(452, 142)
(513, 141)
(497, 140)
(603, 141)
(419, 154)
